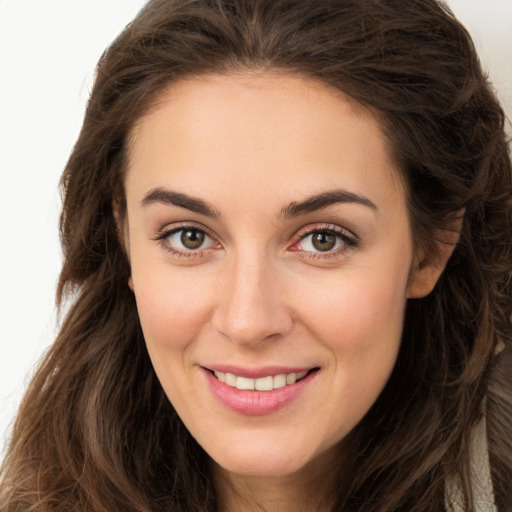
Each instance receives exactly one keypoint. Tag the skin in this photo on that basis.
(258, 292)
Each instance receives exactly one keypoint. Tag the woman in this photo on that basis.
(288, 246)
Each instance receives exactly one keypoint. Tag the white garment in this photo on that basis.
(481, 482)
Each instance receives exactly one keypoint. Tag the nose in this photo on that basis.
(251, 303)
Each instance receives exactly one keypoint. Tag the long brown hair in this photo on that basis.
(95, 431)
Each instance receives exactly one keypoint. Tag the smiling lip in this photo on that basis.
(253, 402)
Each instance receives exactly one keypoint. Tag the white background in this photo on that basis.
(48, 51)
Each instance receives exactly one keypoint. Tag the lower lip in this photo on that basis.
(257, 403)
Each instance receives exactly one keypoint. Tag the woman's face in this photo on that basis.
(270, 248)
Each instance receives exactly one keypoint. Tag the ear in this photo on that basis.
(428, 266)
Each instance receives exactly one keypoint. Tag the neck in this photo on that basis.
(306, 490)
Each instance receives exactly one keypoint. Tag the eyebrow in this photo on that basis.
(165, 196)
(294, 209)
(323, 200)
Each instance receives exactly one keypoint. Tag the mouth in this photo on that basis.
(258, 392)
(266, 383)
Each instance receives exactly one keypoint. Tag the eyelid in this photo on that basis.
(164, 233)
(168, 229)
(350, 239)
(314, 228)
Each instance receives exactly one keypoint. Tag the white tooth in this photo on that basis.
(279, 381)
(291, 378)
(230, 380)
(264, 384)
(221, 376)
(244, 383)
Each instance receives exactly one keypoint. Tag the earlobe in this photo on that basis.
(130, 284)
(427, 268)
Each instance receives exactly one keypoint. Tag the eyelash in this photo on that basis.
(348, 241)
(165, 233)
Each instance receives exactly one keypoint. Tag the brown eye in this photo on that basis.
(192, 238)
(323, 240)
(187, 240)
(326, 241)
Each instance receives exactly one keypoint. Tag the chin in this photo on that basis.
(265, 461)
(260, 466)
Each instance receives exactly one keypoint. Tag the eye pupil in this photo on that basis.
(324, 241)
(192, 239)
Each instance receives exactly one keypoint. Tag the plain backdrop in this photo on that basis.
(48, 52)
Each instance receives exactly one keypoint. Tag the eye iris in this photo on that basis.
(324, 241)
(192, 239)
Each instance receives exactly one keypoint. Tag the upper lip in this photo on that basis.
(256, 373)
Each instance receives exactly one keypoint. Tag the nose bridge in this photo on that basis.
(251, 305)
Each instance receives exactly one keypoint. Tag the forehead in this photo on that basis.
(261, 127)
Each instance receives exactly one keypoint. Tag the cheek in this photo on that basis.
(360, 326)
(173, 311)
(360, 313)
(173, 308)
(359, 321)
